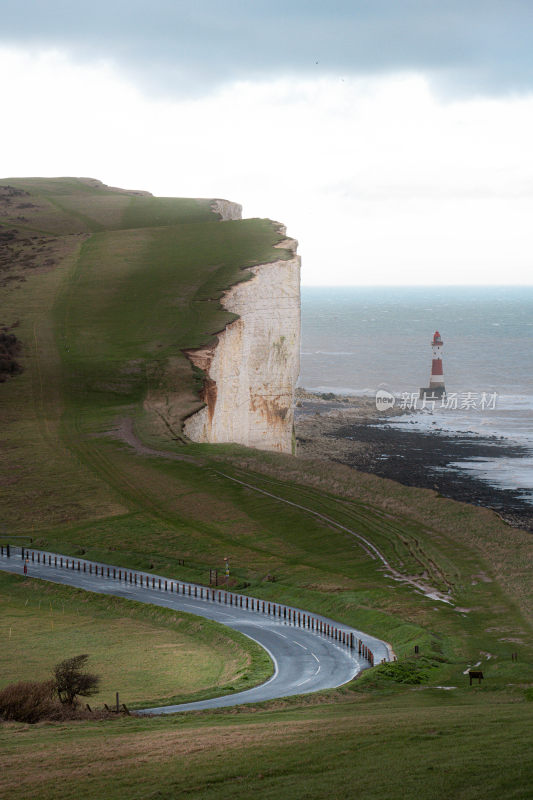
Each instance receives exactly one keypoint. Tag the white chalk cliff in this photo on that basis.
(253, 366)
(227, 209)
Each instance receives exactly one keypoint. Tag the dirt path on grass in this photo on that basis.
(125, 432)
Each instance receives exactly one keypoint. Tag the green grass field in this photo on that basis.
(136, 281)
(143, 652)
(422, 745)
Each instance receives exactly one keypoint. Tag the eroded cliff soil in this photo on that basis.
(253, 366)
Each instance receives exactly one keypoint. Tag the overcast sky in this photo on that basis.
(393, 138)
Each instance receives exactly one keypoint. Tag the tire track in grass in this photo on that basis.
(367, 545)
(390, 531)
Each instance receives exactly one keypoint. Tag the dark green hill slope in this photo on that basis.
(101, 290)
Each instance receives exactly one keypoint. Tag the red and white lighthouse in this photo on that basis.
(436, 386)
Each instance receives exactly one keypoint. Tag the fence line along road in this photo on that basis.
(309, 651)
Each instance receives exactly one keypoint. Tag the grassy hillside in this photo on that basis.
(130, 282)
(102, 319)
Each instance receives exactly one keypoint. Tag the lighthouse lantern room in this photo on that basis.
(436, 386)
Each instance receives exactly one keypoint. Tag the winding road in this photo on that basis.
(309, 652)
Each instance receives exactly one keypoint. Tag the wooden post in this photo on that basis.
(117, 705)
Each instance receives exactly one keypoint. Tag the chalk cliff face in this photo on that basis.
(226, 209)
(253, 367)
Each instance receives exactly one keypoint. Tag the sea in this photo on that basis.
(360, 340)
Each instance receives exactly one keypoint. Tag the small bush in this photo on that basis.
(56, 699)
(403, 672)
(29, 701)
(36, 701)
(71, 680)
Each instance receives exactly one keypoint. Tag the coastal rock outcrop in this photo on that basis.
(252, 368)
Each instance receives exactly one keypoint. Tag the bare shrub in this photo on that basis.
(36, 701)
(29, 701)
(55, 699)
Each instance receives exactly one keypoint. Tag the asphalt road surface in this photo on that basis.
(304, 660)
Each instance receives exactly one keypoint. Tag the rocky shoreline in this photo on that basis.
(350, 430)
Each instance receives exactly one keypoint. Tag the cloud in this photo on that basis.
(379, 179)
(172, 45)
